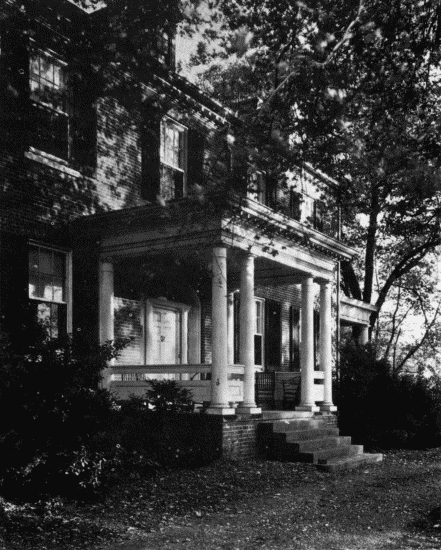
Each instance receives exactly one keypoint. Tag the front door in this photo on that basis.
(166, 342)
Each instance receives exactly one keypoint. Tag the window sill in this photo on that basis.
(53, 162)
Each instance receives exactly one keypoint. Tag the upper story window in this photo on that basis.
(48, 296)
(163, 47)
(173, 157)
(257, 186)
(49, 100)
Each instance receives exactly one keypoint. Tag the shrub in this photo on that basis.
(166, 396)
(382, 409)
(53, 412)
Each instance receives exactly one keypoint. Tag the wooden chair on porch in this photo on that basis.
(291, 393)
(265, 389)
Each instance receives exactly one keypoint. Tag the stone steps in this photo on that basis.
(314, 441)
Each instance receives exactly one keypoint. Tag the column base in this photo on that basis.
(328, 408)
(248, 410)
(221, 411)
(308, 408)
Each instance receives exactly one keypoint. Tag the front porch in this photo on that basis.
(209, 335)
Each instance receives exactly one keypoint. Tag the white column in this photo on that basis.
(247, 330)
(219, 369)
(307, 402)
(230, 321)
(106, 315)
(184, 342)
(326, 344)
(363, 337)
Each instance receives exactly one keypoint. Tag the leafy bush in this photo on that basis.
(381, 409)
(167, 396)
(53, 413)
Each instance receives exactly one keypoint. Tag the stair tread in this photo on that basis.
(364, 459)
(319, 444)
(355, 458)
(294, 437)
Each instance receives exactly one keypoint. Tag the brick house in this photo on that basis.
(133, 220)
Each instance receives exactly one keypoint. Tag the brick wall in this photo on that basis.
(239, 439)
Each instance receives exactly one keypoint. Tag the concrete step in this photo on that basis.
(283, 426)
(341, 451)
(316, 433)
(286, 415)
(325, 443)
(311, 440)
(348, 463)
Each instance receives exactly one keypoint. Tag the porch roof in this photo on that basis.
(355, 312)
(183, 227)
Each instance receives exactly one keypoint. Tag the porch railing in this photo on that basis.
(129, 380)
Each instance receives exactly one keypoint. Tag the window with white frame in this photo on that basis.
(258, 332)
(48, 288)
(173, 156)
(49, 101)
(257, 186)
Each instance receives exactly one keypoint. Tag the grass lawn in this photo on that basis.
(248, 505)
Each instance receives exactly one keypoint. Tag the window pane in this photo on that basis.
(58, 289)
(46, 287)
(59, 262)
(33, 285)
(44, 314)
(45, 261)
(46, 69)
(33, 259)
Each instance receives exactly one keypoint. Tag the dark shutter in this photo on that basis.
(295, 205)
(273, 335)
(316, 338)
(84, 119)
(14, 280)
(195, 158)
(85, 295)
(14, 85)
(150, 143)
(239, 165)
(294, 338)
(271, 191)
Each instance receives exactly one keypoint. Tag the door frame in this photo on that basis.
(147, 320)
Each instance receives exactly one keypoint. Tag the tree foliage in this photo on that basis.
(355, 87)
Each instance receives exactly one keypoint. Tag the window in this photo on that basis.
(258, 333)
(165, 48)
(173, 157)
(48, 92)
(48, 288)
(259, 339)
(257, 186)
(319, 215)
(295, 205)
